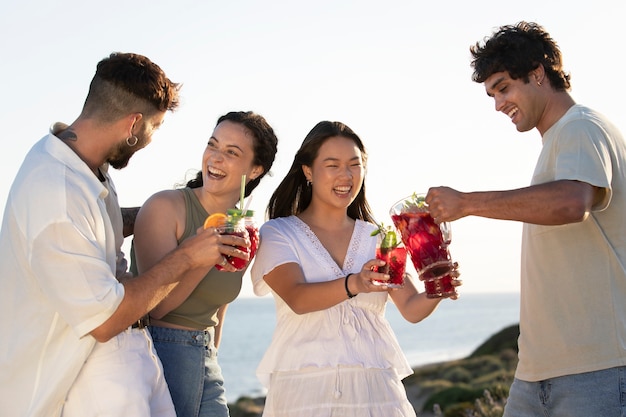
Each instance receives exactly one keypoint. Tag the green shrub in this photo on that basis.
(486, 406)
(436, 384)
(453, 395)
(457, 374)
(428, 388)
(458, 410)
(499, 377)
(483, 365)
(247, 407)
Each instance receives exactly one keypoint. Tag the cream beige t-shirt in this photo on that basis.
(573, 281)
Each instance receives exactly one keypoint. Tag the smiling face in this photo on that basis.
(521, 102)
(337, 173)
(228, 156)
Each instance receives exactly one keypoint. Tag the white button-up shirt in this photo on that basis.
(57, 274)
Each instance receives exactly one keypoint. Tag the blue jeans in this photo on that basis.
(191, 371)
(591, 394)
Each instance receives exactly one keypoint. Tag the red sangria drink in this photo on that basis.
(236, 230)
(393, 252)
(235, 226)
(427, 243)
(395, 266)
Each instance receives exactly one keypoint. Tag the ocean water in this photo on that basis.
(453, 331)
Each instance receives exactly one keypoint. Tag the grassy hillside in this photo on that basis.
(455, 386)
(475, 386)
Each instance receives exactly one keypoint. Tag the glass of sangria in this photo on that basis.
(427, 244)
(392, 251)
(236, 225)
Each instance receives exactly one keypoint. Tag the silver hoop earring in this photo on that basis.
(308, 183)
(131, 144)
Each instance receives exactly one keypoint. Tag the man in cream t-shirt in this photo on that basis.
(572, 344)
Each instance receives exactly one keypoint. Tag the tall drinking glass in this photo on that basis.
(236, 225)
(395, 262)
(427, 244)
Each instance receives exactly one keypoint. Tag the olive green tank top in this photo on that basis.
(199, 310)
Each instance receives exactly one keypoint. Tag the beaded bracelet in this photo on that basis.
(350, 295)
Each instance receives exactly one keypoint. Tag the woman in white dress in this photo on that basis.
(333, 352)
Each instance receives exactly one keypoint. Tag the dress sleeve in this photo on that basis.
(276, 248)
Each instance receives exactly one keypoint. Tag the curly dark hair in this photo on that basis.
(519, 49)
(265, 145)
(293, 195)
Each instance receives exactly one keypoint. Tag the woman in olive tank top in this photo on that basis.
(187, 325)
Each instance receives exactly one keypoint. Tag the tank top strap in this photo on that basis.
(195, 214)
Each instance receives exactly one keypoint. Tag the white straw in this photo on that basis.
(245, 209)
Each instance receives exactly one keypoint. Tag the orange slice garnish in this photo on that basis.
(215, 220)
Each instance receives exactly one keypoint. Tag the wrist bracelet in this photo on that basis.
(350, 295)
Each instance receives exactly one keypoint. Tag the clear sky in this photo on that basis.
(397, 72)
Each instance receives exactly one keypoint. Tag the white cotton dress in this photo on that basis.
(342, 361)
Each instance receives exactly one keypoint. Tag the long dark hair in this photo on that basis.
(293, 195)
(265, 145)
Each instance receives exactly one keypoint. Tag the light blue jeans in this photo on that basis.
(191, 371)
(591, 394)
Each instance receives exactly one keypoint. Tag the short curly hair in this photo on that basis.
(519, 49)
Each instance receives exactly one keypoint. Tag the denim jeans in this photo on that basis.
(591, 394)
(191, 370)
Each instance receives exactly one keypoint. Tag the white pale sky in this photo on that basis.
(397, 72)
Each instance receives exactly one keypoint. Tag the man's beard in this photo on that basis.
(122, 154)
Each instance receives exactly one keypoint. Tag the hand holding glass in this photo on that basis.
(242, 226)
(427, 243)
(395, 263)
